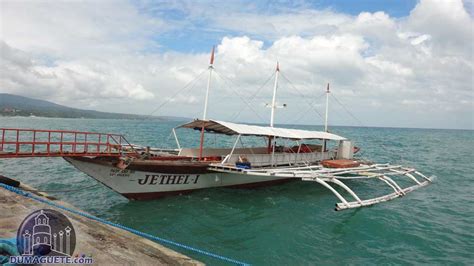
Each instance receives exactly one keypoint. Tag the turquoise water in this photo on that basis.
(294, 223)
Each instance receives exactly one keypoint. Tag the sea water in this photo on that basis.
(293, 223)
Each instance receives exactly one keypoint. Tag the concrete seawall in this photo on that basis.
(105, 244)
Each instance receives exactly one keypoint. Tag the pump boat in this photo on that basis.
(286, 155)
(330, 162)
(193, 169)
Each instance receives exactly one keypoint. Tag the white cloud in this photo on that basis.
(412, 71)
(65, 29)
(304, 23)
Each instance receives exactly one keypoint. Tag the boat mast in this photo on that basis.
(327, 109)
(272, 117)
(204, 115)
(211, 67)
(271, 148)
(326, 118)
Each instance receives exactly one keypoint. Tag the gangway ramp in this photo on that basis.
(23, 143)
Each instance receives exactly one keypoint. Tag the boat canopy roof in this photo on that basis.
(229, 128)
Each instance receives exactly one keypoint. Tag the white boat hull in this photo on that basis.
(141, 185)
(151, 179)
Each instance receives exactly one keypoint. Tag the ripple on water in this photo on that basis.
(291, 224)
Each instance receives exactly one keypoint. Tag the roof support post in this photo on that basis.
(233, 147)
(235, 144)
(298, 151)
(176, 138)
(202, 141)
(323, 147)
(273, 151)
(269, 148)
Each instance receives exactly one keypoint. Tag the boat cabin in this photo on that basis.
(283, 146)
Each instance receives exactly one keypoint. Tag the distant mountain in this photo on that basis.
(15, 105)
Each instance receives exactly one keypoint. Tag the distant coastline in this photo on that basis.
(19, 106)
(144, 117)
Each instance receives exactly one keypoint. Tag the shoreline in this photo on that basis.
(104, 243)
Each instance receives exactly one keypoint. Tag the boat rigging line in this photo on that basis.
(326, 92)
(347, 110)
(183, 89)
(305, 112)
(252, 97)
(242, 98)
(308, 101)
(361, 124)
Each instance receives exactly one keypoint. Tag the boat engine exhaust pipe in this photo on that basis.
(345, 150)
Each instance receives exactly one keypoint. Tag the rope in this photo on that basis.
(253, 96)
(243, 100)
(131, 230)
(67, 190)
(177, 92)
(349, 112)
(363, 125)
(362, 153)
(7, 248)
(183, 89)
(304, 113)
(302, 96)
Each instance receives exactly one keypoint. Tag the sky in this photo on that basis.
(389, 63)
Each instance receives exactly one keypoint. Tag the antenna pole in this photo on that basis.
(211, 67)
(272, 117)
(327, 109)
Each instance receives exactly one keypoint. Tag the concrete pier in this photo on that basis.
(107, 245)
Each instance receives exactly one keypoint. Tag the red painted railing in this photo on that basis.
(18, 143)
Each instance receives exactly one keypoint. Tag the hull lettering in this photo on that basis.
(168, 180)
(143, 181)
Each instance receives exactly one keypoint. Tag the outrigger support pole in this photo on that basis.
(339, 196)
(383, 172)
(353, 194)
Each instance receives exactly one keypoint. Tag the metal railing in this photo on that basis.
(18, 143)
